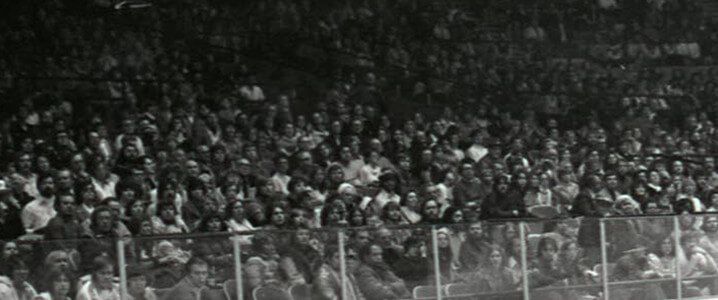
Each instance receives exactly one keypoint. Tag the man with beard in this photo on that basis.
(475, 249)
(502, 203)
(38, 213)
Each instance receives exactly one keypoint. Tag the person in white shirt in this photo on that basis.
(104, 181)
(37, 213)
(369, 173)
(101, 285)
(280, 179)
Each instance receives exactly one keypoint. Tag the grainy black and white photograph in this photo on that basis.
(358, 149)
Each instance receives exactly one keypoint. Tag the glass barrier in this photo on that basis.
(697, 253)
(636, 266)
(560, 262)
(583, 258)
(177, 264)
(55, 269)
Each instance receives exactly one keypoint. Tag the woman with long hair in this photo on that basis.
(493, 275)
(58, 286)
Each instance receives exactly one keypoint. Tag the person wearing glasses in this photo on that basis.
(328, 278)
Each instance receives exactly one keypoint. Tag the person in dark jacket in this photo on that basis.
(502, 202)
(375, 277)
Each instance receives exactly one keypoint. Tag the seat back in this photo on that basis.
(230, 289)
(301, 292)
(213, 294)
(460, 289)
(424, 292)
(270, 293)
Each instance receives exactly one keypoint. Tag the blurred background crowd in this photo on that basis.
(173, 125)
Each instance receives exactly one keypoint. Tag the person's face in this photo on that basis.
(167, 213)
(442, 240)
(300, 216)
(131, 152)
(549, 252)
(666, 246)
(10, 249)
(612, 181)
(476, 230)
(136, 285)
(198, 274)
(61, 286)
(104, 277)
(61, 262)
(375, 254)
(345, 154)
(78, 163)
(89, 194)
(457, 217)
(214, 225)
(67, 205)
(238, 212)
(502, 187)
(351, 260)
(278, 216)
(149, 166)
(192, 168)
(711, 224)
(24, 163)
(677, 167)
(47, 187)
(337, 175)
(467, 172)
(495, 258)
(357, 218)
(302, 237)
(362, 238)
(43, 163)
(394, 213)
(431, 209)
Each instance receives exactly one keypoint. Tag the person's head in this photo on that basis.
(453, 215)
(17, 269)
(58, 283)
(430, 210)
(496, 257)
(136, 280)
(276, 214)
(212, 222)
(234, 211)
(372, 253)
(166, 210)
(710, 224)
(391, 212)
(64, 180)
(10, 249)
(102, 272)
(46, 185)
(665, 247)
(66, 205)
(102, 220)
(197, 271)
(547, 248)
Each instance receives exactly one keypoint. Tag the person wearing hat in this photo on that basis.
(137, 287)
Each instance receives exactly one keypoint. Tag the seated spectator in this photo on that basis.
(376, 279)
(100, 285)
(327, 280)
(493, 275)
(36, 214)
(13, 283)
(299, 259)
(58, 286)
(197, 271)
(137, 288)
(474, 249)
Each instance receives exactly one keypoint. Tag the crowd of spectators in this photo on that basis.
(171, 126)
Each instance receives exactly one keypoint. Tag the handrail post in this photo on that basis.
(121, 266)
(437, 267)
(677, 247)
(604, 259)
(524, 261)
(342, 264)
(238, 267)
